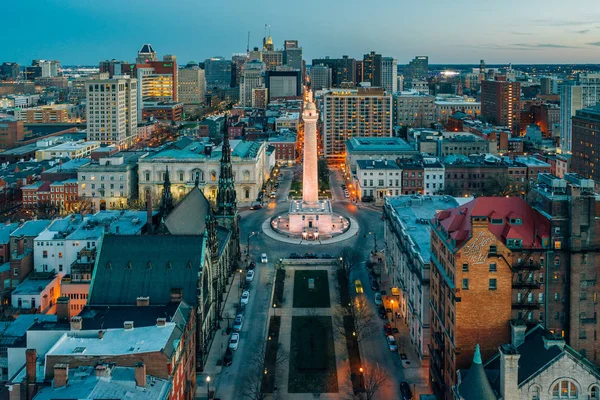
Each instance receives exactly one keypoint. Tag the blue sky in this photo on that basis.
(457, 31)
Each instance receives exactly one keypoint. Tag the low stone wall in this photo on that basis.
(310, 262)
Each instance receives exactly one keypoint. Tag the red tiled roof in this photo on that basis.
(534, 226)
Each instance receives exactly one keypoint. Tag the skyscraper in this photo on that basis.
(292, 54)
(238, 61)
(389, 74)
(283, 84)
(354, 113)
(217, 72)
(320, 77)
(191, 85)
(112, 111)
(501, 103)
(372, 69)
(418, 68)
(571, 100)
(10, 70)
(585, 129)
(252, 78)
(343, 69)
(146, 54)
(273, 59)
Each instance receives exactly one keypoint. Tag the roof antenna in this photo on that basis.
(248, 44)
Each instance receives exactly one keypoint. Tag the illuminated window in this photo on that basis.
(557, 244)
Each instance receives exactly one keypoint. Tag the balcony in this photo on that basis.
(535, 266)
(439, 340)
(526, 284)
(526, 305)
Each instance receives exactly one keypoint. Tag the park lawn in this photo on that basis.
(311, 298)
(312, 356)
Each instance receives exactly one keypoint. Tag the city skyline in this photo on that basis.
(512, 32)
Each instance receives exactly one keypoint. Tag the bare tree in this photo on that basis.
(252, 383)
(362, 319)
(351, 259)
(373, 377)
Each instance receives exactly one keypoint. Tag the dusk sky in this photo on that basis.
(459, 31)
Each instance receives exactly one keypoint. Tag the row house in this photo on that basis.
(376, 180)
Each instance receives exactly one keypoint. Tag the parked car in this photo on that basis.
(358, 286)
(238, 323)
(405, 391)
(273, 195)
(245, 297)
(250, 276)
(295, 256)
(310, 255)
(326, 255)
(391, 341)
(381, 312)
(252, 265)
(263, 258)
(228, 359)
(387, 330)
(255, 205)
(234, 341)
(378, 299)
(346, 194)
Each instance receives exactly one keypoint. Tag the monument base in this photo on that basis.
(310, 221)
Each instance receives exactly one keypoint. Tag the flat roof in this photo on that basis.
(531, 161)
(379, 144)
(377, 164)
(32, 286)
(69, 146)
(31, 228)
(115, 342)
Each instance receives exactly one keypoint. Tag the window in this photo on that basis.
(557, 244)
(492, 284)
(564, 390)
(45, 254)
(15, 272)
(595, 392)
(465, 268)
(493, 267)
(497, 221)
(535, 393)
(493, 249)
(465, 284)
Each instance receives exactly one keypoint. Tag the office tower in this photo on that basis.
(218, 72)
(320, 77)
(585, 129)
(272, 59)
(238, 60)
(283, 84)
(418, 68)
(292, 54)
(10, 70)
(191, 85)
(252, 78)
(268, 44)
(400, 83)
(545, 86)
(571, 100)
(372, 69)
(482, 67)
(112, 111)
(260, 98)
(112, 67)
(501, 103)
(414, 109)
(343, 69)
(146, 54)
(358, 72)
(255, 54)
(389, 74)
(365, 112)
(48, 68)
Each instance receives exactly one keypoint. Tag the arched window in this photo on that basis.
(213, 175)
(535, 393)
(181, 176)
(595, 392)
(246, 193)
(564, 390)
(246, 175)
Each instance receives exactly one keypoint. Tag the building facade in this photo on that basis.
(585, 126)
(191, 85)
(501, 103)
(414, 109)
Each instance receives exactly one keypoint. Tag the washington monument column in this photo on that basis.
(310, 177)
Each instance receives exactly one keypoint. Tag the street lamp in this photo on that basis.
(393, 320)
(208, 387)
(274, 307)
(250, 234)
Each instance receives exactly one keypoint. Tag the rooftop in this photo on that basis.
(112, 317)
(72, 146)
(413, 213)
(32, 286)
(115, 342)
(378, 164)
(68, 166)
(6, 230)
(387, 145)
(121, 384)
(531, 161)
(14, 332)
(31, 228)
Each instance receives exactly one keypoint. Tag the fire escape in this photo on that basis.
(525, 283)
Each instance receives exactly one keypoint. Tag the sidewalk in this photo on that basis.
(416, 371)
(219, 345)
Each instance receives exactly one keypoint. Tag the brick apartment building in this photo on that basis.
(501, 102)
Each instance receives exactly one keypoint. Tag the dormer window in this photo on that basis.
(514, 243)
(497, 221)
(516, 221)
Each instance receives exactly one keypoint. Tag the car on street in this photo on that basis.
(252, 265)
(238, 323)
(378, 299)
(358, 286)
(381, 312)
(263, 258)
(234, 341)
(273, 195)
(405, 391)
(295, 256)
(250, 276)
(391, 341)
(228, 359)
(387, 330)
(255, 205)
(245, 297)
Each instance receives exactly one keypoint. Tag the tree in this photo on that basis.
(351, 258)
(363, 321)
(252, 382)
(374, 377)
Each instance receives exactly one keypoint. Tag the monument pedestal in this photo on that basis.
(311, 219)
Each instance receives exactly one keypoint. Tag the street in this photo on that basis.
(374, 349)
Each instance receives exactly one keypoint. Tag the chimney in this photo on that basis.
(128, 325)
(509, 372)
(161, 321)
(31, 365)
(140, 374)
(62, 309)
(100, 334)
(76, 323)
(149, 212)
(103, 370)
(517, 332)
(143, 301)
(20, 245)
(61, 375)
